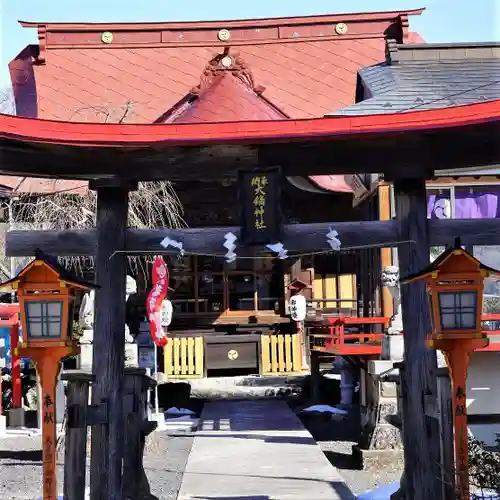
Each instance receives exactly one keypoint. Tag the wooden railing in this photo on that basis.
(493, 334)
(281, 354)
(334, 338)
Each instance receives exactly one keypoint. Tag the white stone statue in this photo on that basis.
(390, 279)
(347, 379)
(86, 314)
(130, 289)
(86, 321)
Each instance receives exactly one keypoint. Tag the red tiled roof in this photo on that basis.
(308, 69)
(307, 64)
(334, 183)
(227, 92)
(33, 185)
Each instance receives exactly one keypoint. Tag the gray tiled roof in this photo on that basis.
(429, 76)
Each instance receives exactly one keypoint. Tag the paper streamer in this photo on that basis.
(332, 240)
(169, 242)
(279, 249)
(230, 245)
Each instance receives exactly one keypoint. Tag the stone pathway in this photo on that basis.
(257, 450)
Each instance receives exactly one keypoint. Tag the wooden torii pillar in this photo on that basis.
(109, 339)
(418, 377)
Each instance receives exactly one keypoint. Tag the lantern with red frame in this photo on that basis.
(46, 292)
(455, 285)
(455, 288)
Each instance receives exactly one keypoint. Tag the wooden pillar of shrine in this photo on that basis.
(419, 385)
(384, 210)
(109, 341)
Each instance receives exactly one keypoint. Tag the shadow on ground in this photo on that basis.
(21, 455)
(263, 437)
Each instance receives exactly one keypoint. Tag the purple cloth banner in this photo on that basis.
(475, 205)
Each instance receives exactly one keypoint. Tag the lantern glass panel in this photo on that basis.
(44, 319)
(458, 310)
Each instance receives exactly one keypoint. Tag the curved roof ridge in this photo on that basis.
(353, 16)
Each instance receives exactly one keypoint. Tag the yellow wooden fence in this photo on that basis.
(183, 357)
(281, 354)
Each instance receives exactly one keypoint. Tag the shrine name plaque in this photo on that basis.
(260, 204)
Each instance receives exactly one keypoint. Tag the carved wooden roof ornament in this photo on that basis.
(230, 62)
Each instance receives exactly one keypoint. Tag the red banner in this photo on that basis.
(155, 298)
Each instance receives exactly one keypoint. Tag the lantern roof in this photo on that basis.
(51, 262)
(453, 260)
(297, 285)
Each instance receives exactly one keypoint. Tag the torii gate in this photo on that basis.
(406, 147)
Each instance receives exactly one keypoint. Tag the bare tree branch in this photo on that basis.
(7, 102)
(152, 205)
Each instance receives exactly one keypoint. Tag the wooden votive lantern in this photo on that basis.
(46, 293)
(455, 287)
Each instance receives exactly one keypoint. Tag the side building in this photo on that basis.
(430, 76)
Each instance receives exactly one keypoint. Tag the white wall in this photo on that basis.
(483, 393)
(483, 384)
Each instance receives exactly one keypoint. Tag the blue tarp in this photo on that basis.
(5, 334)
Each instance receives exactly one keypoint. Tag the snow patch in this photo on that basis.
(325, 409)
(179, 411)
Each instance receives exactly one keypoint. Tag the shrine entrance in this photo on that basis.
(407, 149)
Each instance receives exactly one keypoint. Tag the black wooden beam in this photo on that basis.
(297, 237)
(475, 145)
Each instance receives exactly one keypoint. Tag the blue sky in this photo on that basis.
(443, 21)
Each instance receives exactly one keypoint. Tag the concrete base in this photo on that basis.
(16, 417)
(245, 387)
(3, 425)
(378, 435)
(393, 348)
(181, 424)
(131, 355)
(368, 460)
(85, 363)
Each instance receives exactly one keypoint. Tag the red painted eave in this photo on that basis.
(230, 23)
(253, 132)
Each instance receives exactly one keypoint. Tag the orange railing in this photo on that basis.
(342, 342)
(494, 344)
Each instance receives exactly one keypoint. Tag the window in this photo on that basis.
(470, 202)
(183, 285)
(209, 285)
(269, 284)
(490, 256)
(210, 292)
(457, 310)
(464, 202)
(44, 319)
